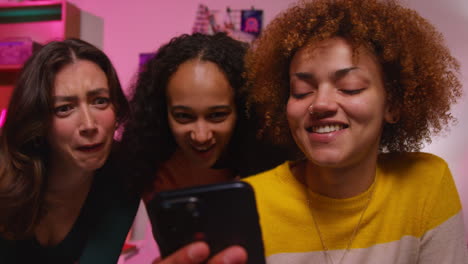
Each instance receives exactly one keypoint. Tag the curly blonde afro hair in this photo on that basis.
(420, 75)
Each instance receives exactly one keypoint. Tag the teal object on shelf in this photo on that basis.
(30, 14)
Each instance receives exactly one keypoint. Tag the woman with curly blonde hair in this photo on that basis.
(356, 87)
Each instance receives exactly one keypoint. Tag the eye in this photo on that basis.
(352, 84)
(352, 91)
(299, 95)
(182, 117)
(301, 89)
(101, 102)
(218, 117)
(63, 110)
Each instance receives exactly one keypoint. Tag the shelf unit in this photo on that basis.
(42, 22)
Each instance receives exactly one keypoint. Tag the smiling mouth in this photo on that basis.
(91, 148)
(203, 149)
(323, 129)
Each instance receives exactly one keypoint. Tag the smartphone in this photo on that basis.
(220, 214)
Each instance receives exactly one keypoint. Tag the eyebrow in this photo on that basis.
(88, 94)
(98, 91)
(335, 76)
(342, 73)
(186, 108)
(304, 75)
(220, 107)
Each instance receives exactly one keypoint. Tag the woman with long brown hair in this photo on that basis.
(60, 200)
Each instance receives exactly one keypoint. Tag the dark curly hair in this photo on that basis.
(420, 75)
(147, 140)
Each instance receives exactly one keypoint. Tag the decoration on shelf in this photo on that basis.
(144, 57)
(202, 20)
(252, 21)
(3, 113)
(243, 25)
(23, 24)
(16, 50)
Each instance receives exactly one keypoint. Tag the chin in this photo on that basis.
(93, 165)
(324, 160)
(204, 165)
(326, 164)
(203, 162)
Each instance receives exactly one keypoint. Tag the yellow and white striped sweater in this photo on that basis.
(414, 216)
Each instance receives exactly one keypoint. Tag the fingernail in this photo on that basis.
(231, 258)
(195, 253)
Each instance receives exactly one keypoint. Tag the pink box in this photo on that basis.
(17, 51)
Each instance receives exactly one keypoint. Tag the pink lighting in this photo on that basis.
(2, 117)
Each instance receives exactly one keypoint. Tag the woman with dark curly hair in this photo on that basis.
(56, 201)
(188, 116)
(356, 87)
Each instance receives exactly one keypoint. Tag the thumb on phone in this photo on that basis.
(191, 254)
(231, 255)
(198, 252)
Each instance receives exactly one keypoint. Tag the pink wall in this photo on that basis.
(451, 18)
(131, 27)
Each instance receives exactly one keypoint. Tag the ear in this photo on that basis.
(392, 114)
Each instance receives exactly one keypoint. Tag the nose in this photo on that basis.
(324, 103)
(201, 133)
(88, 125)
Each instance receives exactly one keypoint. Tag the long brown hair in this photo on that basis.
(23, 146)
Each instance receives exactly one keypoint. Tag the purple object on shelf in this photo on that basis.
(144, 57)
(16, 51)
(251, 21)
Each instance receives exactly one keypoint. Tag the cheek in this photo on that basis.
(295, 113)
(61, 134)
(61, 128)
(359, 110)
(224, 130)
(178, 131)
(365, 110)
(108, 121)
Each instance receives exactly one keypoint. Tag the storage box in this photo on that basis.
(17, 51)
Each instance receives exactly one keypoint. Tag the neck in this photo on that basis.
(337, 183)
(179, 172)
(66, 194)
(67, 184)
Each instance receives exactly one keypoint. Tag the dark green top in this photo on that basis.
(97, 236)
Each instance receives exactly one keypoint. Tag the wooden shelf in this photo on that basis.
(31, 3)
(40, 21)
(10, 67)
(30, 13)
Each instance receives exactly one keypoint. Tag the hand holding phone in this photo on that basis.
(222, 215)
(198, 252)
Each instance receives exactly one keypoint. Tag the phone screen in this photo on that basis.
(221, 214)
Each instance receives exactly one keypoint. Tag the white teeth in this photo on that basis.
(203, 149)
(326, 128)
